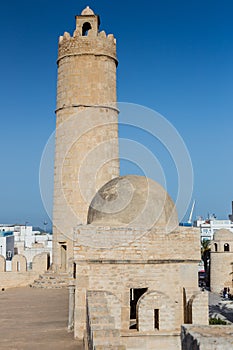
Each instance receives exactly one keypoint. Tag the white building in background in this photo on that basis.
(25, 241)
(7, 244)
(209, 226)
(7, 247)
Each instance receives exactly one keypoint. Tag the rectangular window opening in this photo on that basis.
(135, 295)
(156, 319)
(74, 271)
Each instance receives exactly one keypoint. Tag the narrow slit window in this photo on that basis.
(74, 271)
(156, 319)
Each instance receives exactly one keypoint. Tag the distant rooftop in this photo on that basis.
(6, 233)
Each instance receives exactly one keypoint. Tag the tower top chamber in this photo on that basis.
(87, 39)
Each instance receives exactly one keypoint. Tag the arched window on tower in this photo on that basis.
(215, 247)
(226, 247)
(86, 28)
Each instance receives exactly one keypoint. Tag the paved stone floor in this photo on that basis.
(220, 307)
(35, 319)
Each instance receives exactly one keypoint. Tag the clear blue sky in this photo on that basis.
(175, 57)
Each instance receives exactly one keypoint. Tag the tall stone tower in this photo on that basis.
(86, 155)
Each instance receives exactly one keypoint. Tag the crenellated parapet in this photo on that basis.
(87, 64)
(86, 39)
(100, 45)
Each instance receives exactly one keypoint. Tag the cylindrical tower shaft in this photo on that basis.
(86, 155)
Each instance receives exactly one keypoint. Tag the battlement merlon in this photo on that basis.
(87, 39)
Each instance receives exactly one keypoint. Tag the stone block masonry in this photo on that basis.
(102, 329)
(86, 155)
(20, 276)
(194, 337)
(142, 260)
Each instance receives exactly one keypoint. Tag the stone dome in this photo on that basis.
(223, 235)
(133, 201)
(87, 12)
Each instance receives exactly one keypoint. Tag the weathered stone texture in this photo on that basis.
(103, 329)
(136, 250)
(17, 279)
(135, 243)
(200, 314)
(86, 154)
(145, 341)
(168, 310)
(134, 201)
(194, 337)
(40, 262)
(221, 267)
(144, 260)
(20, 276)
(19, 263)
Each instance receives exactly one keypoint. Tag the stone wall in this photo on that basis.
(119, 268)
(93, 242)
(145, 341)
(147, 305)
(19, 263)
(221, 270)
(200, 314)
(103, 331)
(20, 276)
(102, 327)
(17, 279)
(221, 261)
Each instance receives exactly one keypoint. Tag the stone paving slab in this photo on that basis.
(35, 319)
(220, 308)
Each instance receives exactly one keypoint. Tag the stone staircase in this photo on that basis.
(102, 333)
(51, 279)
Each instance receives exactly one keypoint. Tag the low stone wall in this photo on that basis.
(19, 276)
(17, 279)
(149, 341)
(102, 332)
(206, 337)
